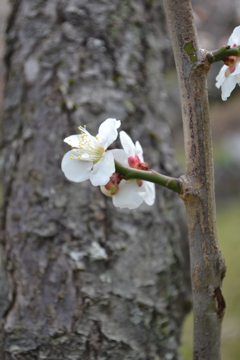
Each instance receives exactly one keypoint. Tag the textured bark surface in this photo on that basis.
(81, 279)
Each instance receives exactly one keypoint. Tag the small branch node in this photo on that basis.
(220, 302)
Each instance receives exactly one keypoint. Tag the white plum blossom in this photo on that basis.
(229, 74)
(89, 158)
(132, 193)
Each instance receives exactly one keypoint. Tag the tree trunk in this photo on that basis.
(81, 279)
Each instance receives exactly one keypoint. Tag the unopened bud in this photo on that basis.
(136, 163)
(107, 192)
(143, 166)
(111, 188)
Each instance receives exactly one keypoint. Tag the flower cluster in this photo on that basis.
(132, 193)
(90, 159)
(229, 74)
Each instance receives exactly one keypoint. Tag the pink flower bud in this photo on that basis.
(111, 188)
(109, 192)
(136, 163)
(133, 161)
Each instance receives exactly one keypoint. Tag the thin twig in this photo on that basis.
(171, 183)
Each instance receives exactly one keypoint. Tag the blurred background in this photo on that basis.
(215, 20)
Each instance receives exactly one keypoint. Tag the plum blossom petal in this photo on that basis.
(128, 195)
(235, 37)
(103, 169)
(88, 158)
(229, 74)
(147, 192)
(107, 132)
(127, 144)
(227, 83)
(76, 170)
(139, 150)
(237, 70)
(132, 193)
(120, 156)
(221, 76)
(227, 87)
(73, 140)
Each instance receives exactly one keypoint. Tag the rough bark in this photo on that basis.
(81, 279)
(207, 263)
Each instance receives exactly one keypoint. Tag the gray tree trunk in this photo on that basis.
(81, 279)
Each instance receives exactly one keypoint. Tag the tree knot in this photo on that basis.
(219, 301)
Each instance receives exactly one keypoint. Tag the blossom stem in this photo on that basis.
(224, 51)
(171, 183)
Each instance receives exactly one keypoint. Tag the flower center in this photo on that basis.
(89, 147)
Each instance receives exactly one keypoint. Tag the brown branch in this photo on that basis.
(207, 264)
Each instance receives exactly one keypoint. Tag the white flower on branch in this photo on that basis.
(89, 159)
(131, 193)
(229, 74)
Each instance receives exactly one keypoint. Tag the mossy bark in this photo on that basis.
(80, 278)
